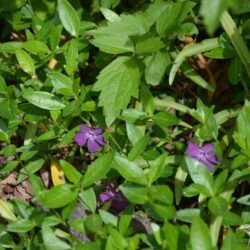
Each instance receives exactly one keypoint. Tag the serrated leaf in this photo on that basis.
(147, 44)
(120, 43)
(25, 61)
(69, 17)
(172, 16)
(61, 83)
(118, 82)
(43, 100)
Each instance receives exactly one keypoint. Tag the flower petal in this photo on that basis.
(85, 129)
(80, 139)
(193, 150)
(207, 163)
(119, 202)
(213, 158)
(209, 147)
(97, 131)
(100, 140)
(104, 197)
(92, 146)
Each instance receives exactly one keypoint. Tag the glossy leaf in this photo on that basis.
(129, 170)
(43, 100)
(25, 61)
(135, 193)
(51, 241)
(59, 196)
(61, 83)
(70, 172)
(200, 237)
(98, 169)
(69, 17)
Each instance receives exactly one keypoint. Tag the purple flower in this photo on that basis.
(204, 154)
(92, 136)
(118, 201)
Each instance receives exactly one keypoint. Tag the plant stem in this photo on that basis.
(236, 39)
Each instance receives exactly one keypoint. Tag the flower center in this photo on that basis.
(91, 135)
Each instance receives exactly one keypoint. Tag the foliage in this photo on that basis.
(154, 75)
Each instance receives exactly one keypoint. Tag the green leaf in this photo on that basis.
(6, 210)
(199, 173)
(21, 226)
(165, 119)
(3, 131)
(156, 66)
(162, 193)
(25, 61)
(191, 50)
(29, 169)
(217, 205)
(9, 47)
(59, 196)
(244, 200)
(93, 223)
(153, 11)
(134, 133)
(235, 70)
(241, 137)
(157, 167)
(69, 17)
(43, 100)
(70, 172)
(138, 148)
(135, 193)
(72, 57)
(61, 83)
(147, 100)
(98, 169)
(212, 6)
(187, 29)
(118, 82)
(200, 237)
(51, 241)
(148, 44)
(88, 198)
(160, 212)
(231, 219)
(108, 218)
(129, 170)
(36, 47)
(188, 214)
(172, 16)
(110, 15)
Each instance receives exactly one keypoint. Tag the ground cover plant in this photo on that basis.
(124, 124)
